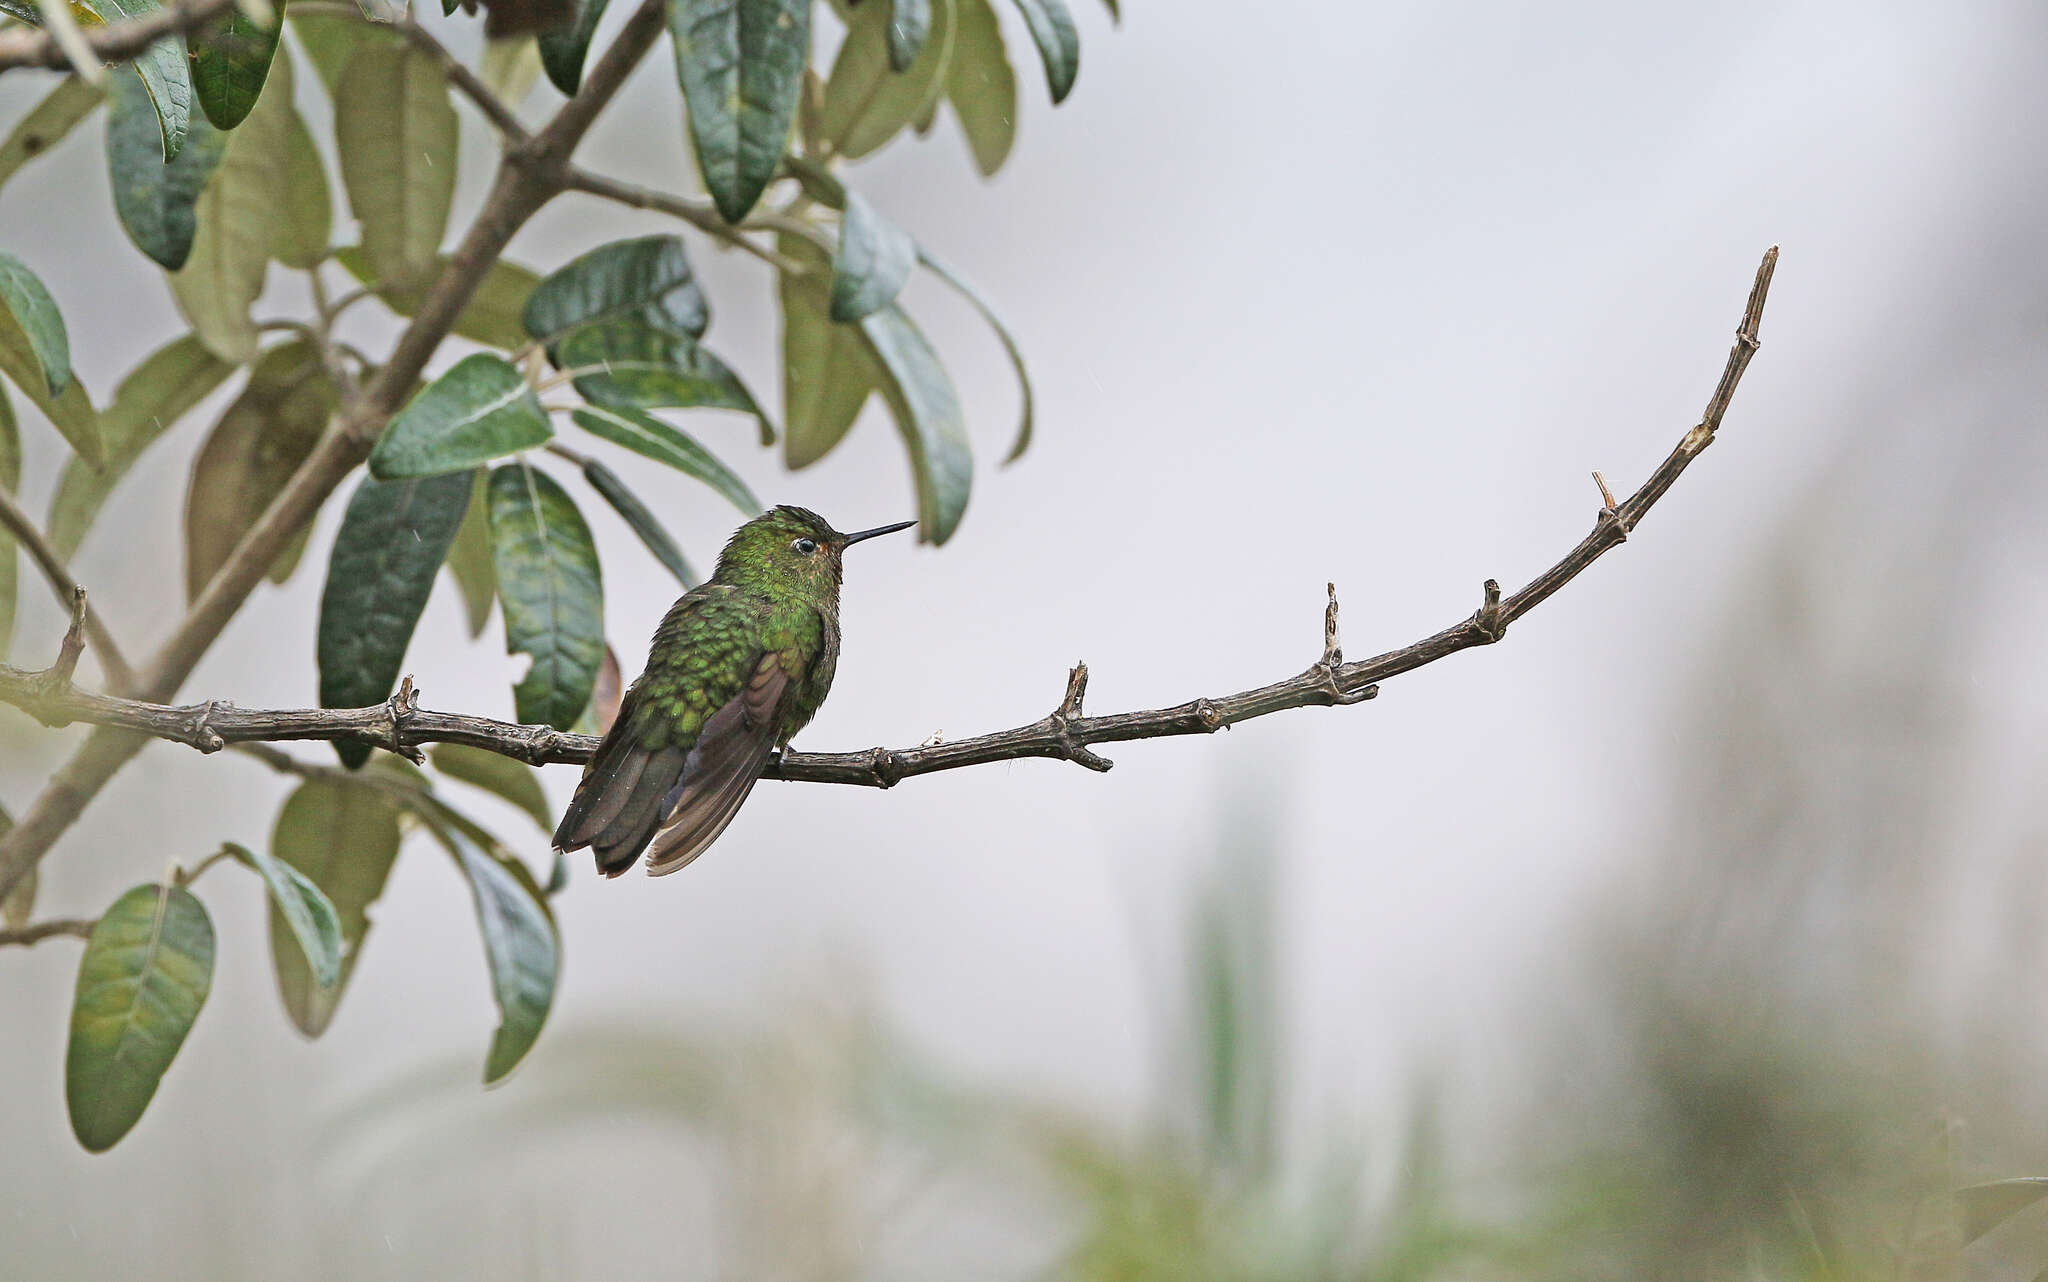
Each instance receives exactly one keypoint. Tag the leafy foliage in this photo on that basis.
(235, 197)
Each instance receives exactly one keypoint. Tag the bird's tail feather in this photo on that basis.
(620, 800)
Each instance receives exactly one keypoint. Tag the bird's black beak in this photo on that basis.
(878, 531)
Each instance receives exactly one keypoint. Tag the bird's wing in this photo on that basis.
(721, 769)
(622, 797)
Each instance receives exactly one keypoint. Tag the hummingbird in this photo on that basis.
(738, 666)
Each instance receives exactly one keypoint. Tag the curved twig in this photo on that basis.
(400, 724)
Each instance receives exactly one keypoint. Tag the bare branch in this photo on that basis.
(1066, 733)
(16, 522)
(698, 214)
(37, 932)
(115, 42)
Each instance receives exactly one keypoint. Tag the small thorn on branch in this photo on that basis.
(1487, 621)
(1077, 689)
(54, 682)
(1333, 648)
(400, 706)
(1606, 495)
(1064, 717)
(73, 645)
(1330, 666)
(1610, 511)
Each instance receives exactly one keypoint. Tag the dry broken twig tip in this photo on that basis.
(1066, 733)
(27, 46)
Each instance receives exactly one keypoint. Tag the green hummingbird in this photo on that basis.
(738, 666)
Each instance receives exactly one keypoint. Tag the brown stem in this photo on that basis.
(1065, 733)
(36, 932)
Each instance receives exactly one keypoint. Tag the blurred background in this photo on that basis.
(1696, 931)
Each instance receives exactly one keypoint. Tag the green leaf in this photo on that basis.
(646, 280)
(982, 87)
(648, 436)
(875, 258)
(563, 48)
(35, 313)
(10, 558)
(342, 837)
(630, 364)
(230, 61)
(642, 522)
(478, 411)
(1986, 1206)
(510, 68)
(27, 359)
(396, 131)
(1059, 45)
(156, 394)
(741, 65)
(469, 559)
(145, 974)
(238, 224)
(1003, 336)
(308, 223)
(162, 69)
(867, 102)
(501, 776)
(519, 943)
(927, 413)
(492, 315)
(47, 123)
(307, 912)
(330, 38)
(551, 592)
(155, 199)
(259, 442)
(827, 369)
(393, 538)
(910, 23)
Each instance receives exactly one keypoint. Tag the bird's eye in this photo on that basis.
(804, 547)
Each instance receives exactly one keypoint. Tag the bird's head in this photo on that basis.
(791, 549)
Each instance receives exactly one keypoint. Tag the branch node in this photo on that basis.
(399, 708)
(1209, 715)
(1486, 621)
(883, 766)
(1062, 719)
(202, 734)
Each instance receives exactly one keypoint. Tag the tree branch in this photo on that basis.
(530, 174)
(698, 214)
(1066, 733)
(37, 932)
(16, 522)
(115, 42)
